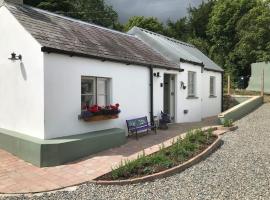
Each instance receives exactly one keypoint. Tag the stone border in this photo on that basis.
(169, 172)
(222, 130)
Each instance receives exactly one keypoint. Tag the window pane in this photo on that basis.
(212, 85)
(103, 91)
(191, 83)
(88, 85)
(102, 100)
(101, 86)
(88, 100)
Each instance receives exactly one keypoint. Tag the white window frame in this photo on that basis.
(96, 93)
(212, 86)
(192, 84)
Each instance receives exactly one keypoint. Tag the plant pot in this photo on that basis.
(100, 118)
(163, 126)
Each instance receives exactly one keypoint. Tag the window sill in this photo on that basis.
(212, 96)
(192, 97)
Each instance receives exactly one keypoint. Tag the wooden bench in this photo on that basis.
(140, 125)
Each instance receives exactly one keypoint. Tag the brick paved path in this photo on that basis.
(17, 176)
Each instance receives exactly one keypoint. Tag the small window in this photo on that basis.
(95, 90)
(212, 86)
(191, 84)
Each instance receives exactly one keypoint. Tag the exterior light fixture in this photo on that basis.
(183, 85)
(14, 57)
(157, 74)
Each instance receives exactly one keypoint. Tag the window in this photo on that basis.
(95, 90)
(212, 86)
(191, 84)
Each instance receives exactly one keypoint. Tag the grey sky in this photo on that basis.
(162, 9)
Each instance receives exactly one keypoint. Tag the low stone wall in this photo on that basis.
(48, 153)
(242, 109)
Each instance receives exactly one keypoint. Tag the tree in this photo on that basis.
(222, 30)
(94, 11)
(148, 23)
(253, 31)
(178, 30)
(199, 18)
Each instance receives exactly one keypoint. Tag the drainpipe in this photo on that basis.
(151, 95)
(222, 91)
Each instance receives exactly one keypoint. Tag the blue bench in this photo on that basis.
(139, 125)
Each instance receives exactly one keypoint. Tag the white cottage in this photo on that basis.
(51, 66)
(190, 95)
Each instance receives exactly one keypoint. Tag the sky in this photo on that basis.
(162, 9)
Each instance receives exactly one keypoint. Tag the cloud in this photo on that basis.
(162, 9)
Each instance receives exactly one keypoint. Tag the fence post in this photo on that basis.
(229, 85)
(262, 84)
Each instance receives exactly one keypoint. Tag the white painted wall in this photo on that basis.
(193, 106)
(21, 84)
(130, 88)
(211, 106)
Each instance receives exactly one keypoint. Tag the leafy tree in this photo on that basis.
(199, 19)
(222, 30)
(253, 31)
(148, 23)
(178, 30)
(95, 11)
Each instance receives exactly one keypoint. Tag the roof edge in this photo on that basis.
(67, 18)
(213, 70)
(166, 37)
(71, 53)
(191, 62)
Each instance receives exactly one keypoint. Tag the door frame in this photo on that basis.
(172, 98)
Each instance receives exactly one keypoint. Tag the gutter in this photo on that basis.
(72, 53)
(151, 94)
(222, 92)
(182, 60)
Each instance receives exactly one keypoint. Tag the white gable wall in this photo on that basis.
(211, 106)
(21, 84)
(130, 88)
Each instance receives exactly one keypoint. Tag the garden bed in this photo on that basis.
(178, 154)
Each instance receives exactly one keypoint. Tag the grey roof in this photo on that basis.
(61, 34)
(174, 49)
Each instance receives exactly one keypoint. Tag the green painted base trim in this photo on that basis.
(242, 109)
(47, 153)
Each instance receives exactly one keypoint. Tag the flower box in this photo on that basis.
(100, 118)
(98, 113)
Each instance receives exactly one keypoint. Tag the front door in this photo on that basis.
(169, 95)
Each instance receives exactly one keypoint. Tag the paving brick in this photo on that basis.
(18, 176)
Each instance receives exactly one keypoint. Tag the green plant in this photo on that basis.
(228, 123)
(181, 150)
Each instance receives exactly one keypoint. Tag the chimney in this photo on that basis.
(15, 1)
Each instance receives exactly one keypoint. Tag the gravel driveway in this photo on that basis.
(240, 169)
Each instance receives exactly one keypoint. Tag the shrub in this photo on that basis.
(181, 150)
(228, 123)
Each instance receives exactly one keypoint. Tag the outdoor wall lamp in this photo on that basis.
(183, 85)
(15, 57)
(157, 74)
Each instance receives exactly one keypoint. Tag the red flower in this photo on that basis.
(93, 110)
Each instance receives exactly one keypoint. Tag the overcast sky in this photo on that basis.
(162, 9)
